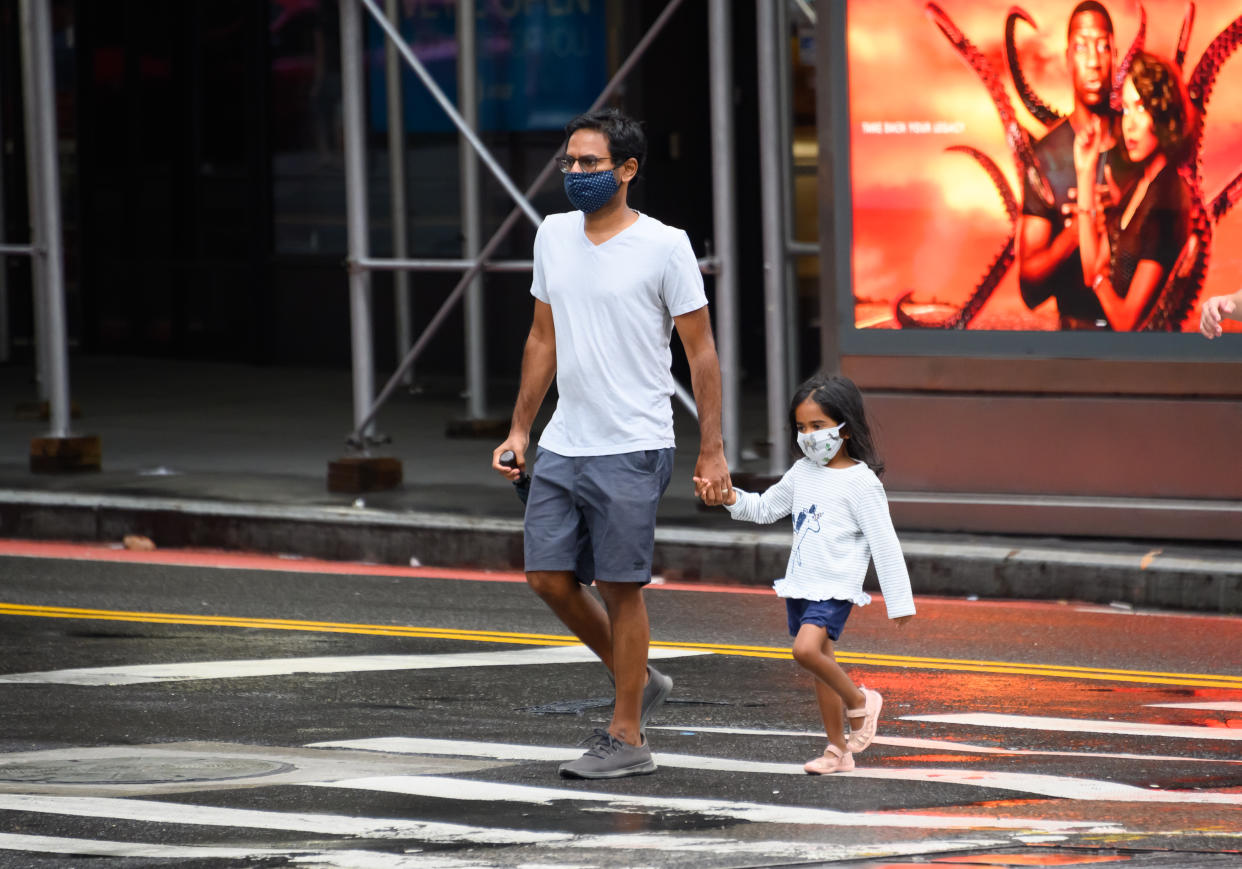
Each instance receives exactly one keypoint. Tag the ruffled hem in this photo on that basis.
(783, 589)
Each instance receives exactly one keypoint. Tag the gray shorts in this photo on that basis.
(595, 515)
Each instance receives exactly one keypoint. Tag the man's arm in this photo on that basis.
(695, 330)
(1040, 255)
(538, 369)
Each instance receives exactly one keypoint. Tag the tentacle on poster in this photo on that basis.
(1224, 201)
(1119, 77)
(1204, 76)
(1018, 139)
(996, 271)
(1183, 37)
(1185, 280)
(1040, 110)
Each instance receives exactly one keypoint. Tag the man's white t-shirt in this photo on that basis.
(613, 306)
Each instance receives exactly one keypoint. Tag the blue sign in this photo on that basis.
(540, 62)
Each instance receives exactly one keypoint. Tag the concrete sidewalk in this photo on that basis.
(235, 457)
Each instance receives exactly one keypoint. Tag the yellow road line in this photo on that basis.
(1198, 680)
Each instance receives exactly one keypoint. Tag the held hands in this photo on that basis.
(702, 491)
(1214, 310)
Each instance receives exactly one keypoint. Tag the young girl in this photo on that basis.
(840, 523)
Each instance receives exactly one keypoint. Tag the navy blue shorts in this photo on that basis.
(828, 614)
(595, 515)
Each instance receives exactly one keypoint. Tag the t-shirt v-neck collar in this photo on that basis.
(592, 245)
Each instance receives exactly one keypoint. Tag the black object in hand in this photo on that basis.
(522, 483)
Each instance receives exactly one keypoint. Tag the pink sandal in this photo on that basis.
(832, 760)
(861, 738)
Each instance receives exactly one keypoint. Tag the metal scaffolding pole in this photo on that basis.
(468, 105)
(44, 181)
(5, 347)
(784, 69)
(396, 169)
(34, 160)
(724, 219)
(362, 352)
(774, 259)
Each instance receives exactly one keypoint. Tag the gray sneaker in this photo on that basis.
(609, 757)
(655, 692)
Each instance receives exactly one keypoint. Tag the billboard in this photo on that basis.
(964, 116)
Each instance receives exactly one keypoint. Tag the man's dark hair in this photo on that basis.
(625, 135)
(1089, 6)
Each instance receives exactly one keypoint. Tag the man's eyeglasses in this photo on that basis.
(588, 162)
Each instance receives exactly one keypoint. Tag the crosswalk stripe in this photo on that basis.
(947, 745)
(241, 669)
(1079, 725)
(1061, 787)
(437, 787)
(1210, 706)
(253, 819)
(1194, 680)
(102, 848)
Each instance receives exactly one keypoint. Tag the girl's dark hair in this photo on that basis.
(1160, 89)
(625, 135)
(840, 399)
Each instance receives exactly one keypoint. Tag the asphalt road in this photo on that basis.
(205, 709)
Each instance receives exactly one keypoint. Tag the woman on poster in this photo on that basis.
(1129, 249)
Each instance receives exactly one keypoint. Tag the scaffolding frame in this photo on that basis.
(46, 249)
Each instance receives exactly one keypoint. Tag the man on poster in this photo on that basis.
(1049, 264)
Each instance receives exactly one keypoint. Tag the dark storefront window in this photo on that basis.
(526, 97)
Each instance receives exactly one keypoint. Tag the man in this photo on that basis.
(609, 286)
(1048, 258)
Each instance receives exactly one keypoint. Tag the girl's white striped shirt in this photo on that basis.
(840, 523)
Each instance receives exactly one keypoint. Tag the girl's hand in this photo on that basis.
(1214, 309)
(702, 491)
(901, 620)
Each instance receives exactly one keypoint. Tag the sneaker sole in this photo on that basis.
(639, 769)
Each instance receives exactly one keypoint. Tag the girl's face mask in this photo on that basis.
(820, 446)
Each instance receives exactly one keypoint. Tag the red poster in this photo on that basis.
(966, 211)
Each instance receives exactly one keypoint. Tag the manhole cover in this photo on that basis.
(138, 770)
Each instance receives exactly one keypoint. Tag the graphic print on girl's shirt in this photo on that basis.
(806, 523)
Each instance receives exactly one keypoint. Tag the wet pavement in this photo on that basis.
(216, 709)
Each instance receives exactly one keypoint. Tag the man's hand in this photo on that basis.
(1214, 310)
(901, 620)
(518, 444)
(711, 479)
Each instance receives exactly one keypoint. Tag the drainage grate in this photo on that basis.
(138, 769)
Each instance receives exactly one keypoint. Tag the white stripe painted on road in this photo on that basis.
(1080, 725)
(1060, 787)
(101, 848)
(249, 819)
(243, 669)
(437, 787)
(350, 859)
(1217, 706)
(946, 745)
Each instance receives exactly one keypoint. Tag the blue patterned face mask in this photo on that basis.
(590, 191)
